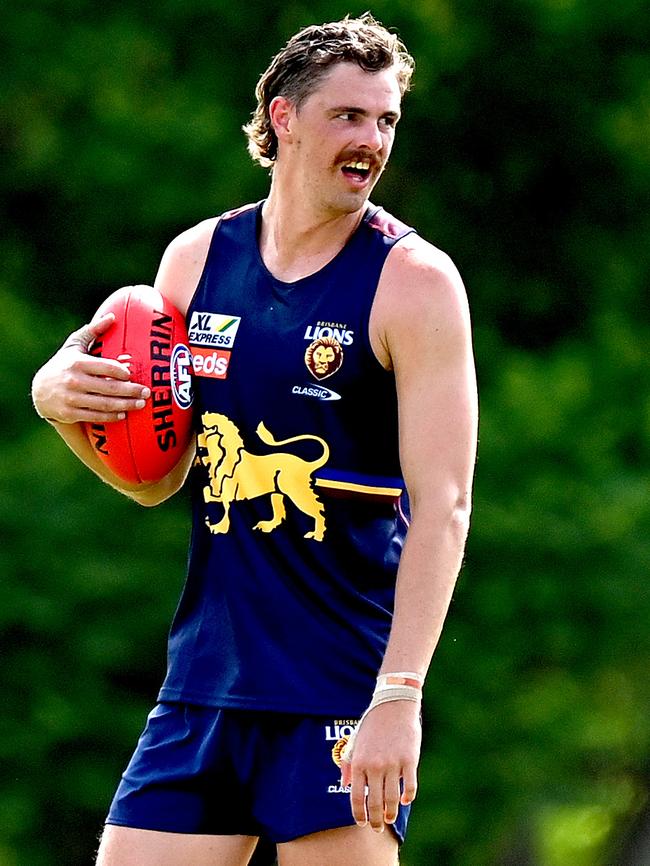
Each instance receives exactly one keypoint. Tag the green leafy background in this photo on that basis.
(524, 152)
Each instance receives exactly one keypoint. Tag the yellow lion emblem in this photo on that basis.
(236, 474)
(337, 751)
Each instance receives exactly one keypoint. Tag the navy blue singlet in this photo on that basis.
(299, 508)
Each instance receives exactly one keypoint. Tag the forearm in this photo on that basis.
(74, 436)
(383, 751)
(76, 439)
(429, 567)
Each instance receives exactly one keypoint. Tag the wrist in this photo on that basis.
(402, 686)
(397, 686)
(410, 679)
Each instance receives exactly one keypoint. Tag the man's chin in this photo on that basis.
(352, 201)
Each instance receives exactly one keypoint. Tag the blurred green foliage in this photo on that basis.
(525, 153)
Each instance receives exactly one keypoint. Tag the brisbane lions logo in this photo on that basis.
(324, 357)
(235, 474)
(337, 750)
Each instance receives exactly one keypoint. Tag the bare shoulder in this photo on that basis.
(420, 297)
(183, 262)
(420, 276)
(194, 238)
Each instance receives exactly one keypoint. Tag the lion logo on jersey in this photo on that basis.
(324, 357)
(236, 474)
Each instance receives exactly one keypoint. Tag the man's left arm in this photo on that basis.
(427, 340)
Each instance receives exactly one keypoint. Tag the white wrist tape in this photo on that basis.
(401, 686)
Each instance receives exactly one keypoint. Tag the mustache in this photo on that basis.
(376, 163)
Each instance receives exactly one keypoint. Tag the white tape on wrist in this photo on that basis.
(401, 686)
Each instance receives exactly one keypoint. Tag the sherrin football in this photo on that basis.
(149, 336)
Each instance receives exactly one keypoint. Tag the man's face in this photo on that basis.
(343, 135)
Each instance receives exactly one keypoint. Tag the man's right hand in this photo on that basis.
(75, 386)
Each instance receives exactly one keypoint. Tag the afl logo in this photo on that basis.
(324, 357)
(181, 377)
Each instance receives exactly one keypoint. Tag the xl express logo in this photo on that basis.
(213, 329)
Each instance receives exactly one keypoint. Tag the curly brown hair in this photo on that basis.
(298, 69)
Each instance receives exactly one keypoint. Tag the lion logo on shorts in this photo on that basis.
(337, 750)
(236, 474)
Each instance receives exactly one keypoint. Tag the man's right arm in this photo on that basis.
(75, 387)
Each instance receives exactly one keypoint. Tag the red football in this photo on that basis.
(149, 336)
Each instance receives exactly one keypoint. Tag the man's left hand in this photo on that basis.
(383, 768)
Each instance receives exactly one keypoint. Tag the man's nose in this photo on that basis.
(371, 136)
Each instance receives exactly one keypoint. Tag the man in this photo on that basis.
(349, 381)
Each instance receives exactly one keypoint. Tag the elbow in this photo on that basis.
(461, 506)
(460, 515)
(146, 494)
(453, 512)
(145, 501)
(149, 497)
(150, 494)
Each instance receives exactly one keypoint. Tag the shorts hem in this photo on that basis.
(137, 825)
(274, 838)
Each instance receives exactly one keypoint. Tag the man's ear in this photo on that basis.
(282, 113)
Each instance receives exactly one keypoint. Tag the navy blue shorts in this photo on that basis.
(225, 772)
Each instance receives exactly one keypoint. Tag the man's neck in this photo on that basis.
(297, 239)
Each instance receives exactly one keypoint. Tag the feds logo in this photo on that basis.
(213, 329)
(210, 363)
